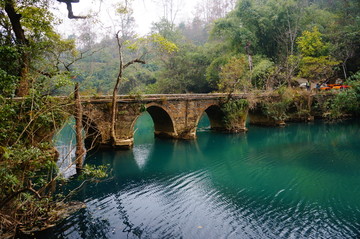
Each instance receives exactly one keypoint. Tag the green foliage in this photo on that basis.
(8, 72)
(183, 72)
(213, 70)
(263, 27)
(234, 111)
(277, 107)
(25, 175)
(28, 167)
(20, 165)
(277, 110)
(234, 75)
(38, 22)
(317, 68)
(94, 172)
(262, 70)
(303, 102)
(354, 79)
(346, 102)
(29, 121)
(232, 31)
(7, 83)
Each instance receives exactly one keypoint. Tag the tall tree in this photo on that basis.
(34, 37)
(123, 39)
(22, 42)
(170, 10)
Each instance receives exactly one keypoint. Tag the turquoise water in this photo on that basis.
(301, 181)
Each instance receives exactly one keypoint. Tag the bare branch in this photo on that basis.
(134, 61)
(67, 65)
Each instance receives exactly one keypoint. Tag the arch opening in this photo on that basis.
(216, 117)
(92, 135)
(163, 124)
(143, 129)
(204, 123)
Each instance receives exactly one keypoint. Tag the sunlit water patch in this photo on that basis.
(301, 181)
(65, 143)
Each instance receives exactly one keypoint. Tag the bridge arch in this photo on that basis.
(163, 123)
(215, 115)
(93, 135)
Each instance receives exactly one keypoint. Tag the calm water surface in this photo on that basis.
(302, 181)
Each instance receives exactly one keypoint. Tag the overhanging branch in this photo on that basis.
(69, 8)
(134, 61)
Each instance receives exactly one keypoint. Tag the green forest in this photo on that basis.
(259, 44)
(228, 47)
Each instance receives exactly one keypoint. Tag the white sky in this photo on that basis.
(145, 13)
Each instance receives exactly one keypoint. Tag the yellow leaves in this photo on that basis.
(163, 43)
(311, 44)
(315, 63)
(123, 7)
(160, 42)
(131, 45)
(122, 10)
(135, 45)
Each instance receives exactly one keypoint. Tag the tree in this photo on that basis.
(234, 75)
(122, 37)
(30, 24)
(170, 9)
(22, 42)
(184, 71)
(210, 10)
(315, 63)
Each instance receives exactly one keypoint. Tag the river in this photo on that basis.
(301, 181)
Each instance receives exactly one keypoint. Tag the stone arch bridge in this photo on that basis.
(174, 116)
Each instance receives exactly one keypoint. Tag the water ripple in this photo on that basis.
(298, 182)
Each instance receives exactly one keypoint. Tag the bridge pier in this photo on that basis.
(258, 117)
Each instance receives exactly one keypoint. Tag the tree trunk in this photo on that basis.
(122, 67)
(344, 70)
(22, 42)
(116, 88)
(80, 149)
(114, 109)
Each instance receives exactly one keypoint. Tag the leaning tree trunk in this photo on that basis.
(115, 91)
(80, 148)
(114, 109)
(22, 43)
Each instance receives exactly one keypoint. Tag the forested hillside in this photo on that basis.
(261, 44)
